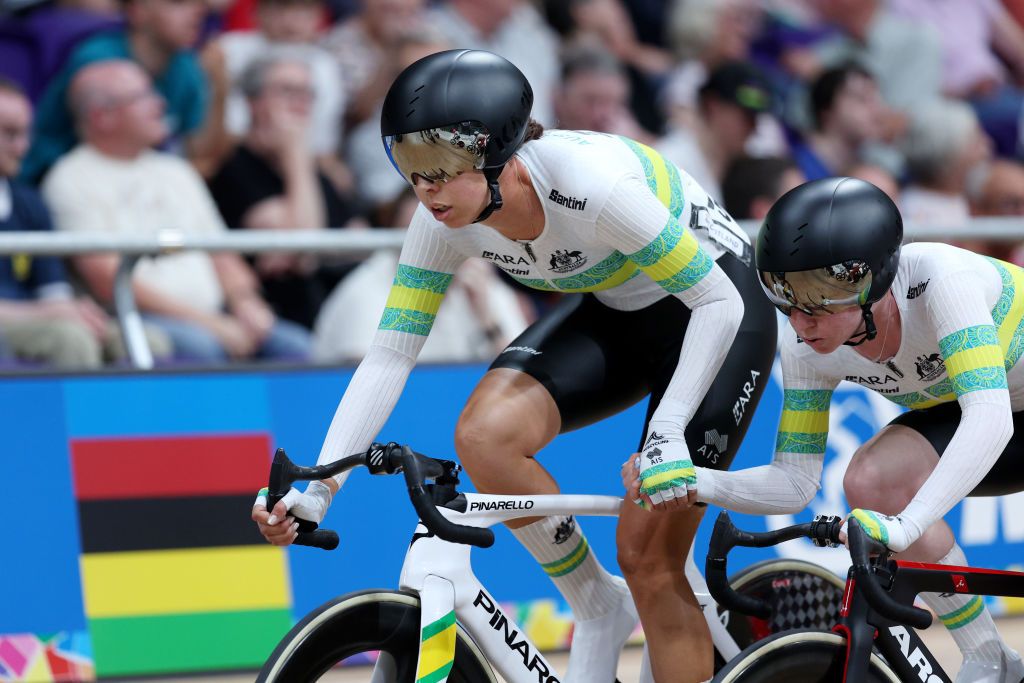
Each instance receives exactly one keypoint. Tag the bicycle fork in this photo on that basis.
(901, 646)
(441, 574)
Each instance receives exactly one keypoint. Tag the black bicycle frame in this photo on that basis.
(877, 608)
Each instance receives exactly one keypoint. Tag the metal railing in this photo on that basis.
(132, 248)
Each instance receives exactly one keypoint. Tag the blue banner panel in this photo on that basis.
(40, 590)
(166, 404)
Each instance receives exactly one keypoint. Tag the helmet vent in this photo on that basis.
(420, 88)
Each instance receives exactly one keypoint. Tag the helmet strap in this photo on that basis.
(491, 174)
(869, 332)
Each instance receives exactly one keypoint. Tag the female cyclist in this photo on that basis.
(934, 328)
(663, 302)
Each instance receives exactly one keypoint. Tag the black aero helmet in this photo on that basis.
(830, 244)
(454, 111)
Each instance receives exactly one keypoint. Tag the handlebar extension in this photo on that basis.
(379, 459)
(822, 531)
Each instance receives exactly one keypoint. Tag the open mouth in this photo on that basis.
(441, 211)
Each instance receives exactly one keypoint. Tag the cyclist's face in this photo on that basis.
(455, 202)
(825, 331)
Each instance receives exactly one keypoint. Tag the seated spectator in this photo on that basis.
(615, 26)
(290, 27)
(510, 28)
(594, 94)
(40, 319)
(944, 147)
(847, 113)
(1000, 192)
(366, 47)
(113, 182)
(158, 36)
(753, 184)
(982, 56)
(728, 105)
(272, 182)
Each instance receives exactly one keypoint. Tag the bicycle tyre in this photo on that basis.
(366, 621)
(803, 595)
(798, 657)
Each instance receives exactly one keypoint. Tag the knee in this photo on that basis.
(868, 483)
(481, 436)
(73, 346)
(647, 569)
(193, 343)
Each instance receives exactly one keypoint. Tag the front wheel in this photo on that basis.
(802, 595)
(367, 623)
(798, 657)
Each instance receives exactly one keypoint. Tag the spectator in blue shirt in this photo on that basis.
(158, 35)
(40, 320)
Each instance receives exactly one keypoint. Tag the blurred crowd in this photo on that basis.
(130, 117)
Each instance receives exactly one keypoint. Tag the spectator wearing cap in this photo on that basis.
(114, 183)
(847, 112)
(158, 35)
(289, 28)
(40, 319)
(271, 181)
(728, 105)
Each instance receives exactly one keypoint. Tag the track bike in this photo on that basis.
(442, 624)
(873, 638)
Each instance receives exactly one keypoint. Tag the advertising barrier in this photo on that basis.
(127, 497)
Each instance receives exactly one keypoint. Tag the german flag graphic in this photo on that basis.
(175, 576)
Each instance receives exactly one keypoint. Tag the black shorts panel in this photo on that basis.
(596, 361)
(939, 423)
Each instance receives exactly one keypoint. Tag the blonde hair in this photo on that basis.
(437, 154)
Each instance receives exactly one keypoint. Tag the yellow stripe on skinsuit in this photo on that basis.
(805, 421)
(1009, 310)
(422, 300)
(675, 260)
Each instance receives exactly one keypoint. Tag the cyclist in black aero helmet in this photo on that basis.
(934, 328)
(662, 301)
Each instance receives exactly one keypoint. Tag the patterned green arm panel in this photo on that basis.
(804, 424)
(415, 296)
(974, 359)
(673, 259)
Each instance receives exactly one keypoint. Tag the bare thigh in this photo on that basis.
(508, 418)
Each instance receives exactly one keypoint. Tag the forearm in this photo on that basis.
(236, 278)
(302, 193)
(366, 405)
(714, 321)
(985, 429)
(786, 486)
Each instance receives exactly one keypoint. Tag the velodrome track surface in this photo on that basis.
(936, 637)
